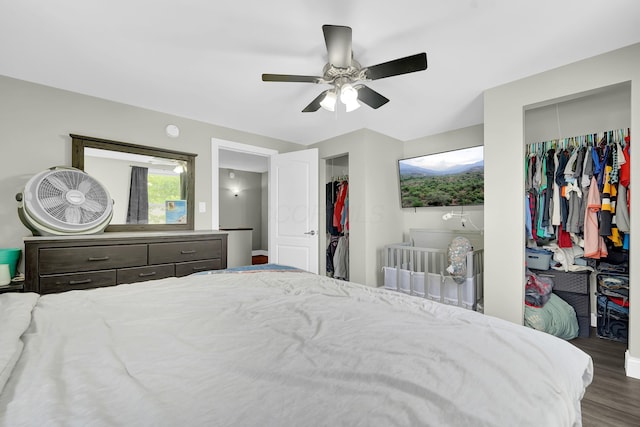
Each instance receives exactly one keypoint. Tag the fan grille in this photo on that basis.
(72, 197)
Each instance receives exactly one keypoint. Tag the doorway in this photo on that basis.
(240, 175)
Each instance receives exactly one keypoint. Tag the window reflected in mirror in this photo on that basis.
(152, 188)
(148, 190)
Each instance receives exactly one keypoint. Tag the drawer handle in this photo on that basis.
(79, 282)
(192, 251)
(102, 258)
(153, 273)
(200, 268)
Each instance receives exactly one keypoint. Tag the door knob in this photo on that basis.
(312, 232)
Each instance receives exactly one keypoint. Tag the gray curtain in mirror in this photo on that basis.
(183, 186)
(138, 212)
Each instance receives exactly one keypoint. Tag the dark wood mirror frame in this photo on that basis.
(79, 143)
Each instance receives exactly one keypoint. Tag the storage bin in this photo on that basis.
(573, 287)
(538, 259)
(567, 281)
(584, 326)
(10, 256)
(613, 320)
(579, 302)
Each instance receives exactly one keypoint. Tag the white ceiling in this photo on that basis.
(203, 59)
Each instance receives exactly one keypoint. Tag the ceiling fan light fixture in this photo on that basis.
(351, 105)
(349, 97)
(329, 101)
(348, 94)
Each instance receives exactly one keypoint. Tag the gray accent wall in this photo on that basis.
(240, 195)
(36, 123)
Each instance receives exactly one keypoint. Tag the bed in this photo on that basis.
(274, 346)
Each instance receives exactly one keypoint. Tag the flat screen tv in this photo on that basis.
(452, 178)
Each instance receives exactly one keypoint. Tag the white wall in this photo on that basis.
(603, 110)
(504, 171)
(118, 174)
(264, 207)
(36, 122)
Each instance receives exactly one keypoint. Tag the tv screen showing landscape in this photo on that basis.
(453, 178)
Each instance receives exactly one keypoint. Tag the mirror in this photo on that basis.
(159, 182)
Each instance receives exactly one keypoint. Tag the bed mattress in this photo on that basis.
(276, 348)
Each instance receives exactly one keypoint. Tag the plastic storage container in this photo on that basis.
(10, 256)
(538, 259)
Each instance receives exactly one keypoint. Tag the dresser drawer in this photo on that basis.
(70, 260)
(186, 268)
(68, 282)
(140, 274)
(162, 253)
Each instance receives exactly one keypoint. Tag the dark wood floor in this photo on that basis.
(612, 399)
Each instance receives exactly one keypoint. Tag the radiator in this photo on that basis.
(422, 272)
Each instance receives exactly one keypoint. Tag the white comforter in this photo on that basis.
(279, 349)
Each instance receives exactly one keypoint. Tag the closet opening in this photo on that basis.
(577, 213)
(337, 217)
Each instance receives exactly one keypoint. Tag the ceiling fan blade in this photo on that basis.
(315, 104)
(290, 78)
(370, 97)
(338, 41)
(398, 66)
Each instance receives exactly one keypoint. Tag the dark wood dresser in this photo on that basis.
(62, 263)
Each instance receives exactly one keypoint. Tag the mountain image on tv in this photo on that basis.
(453, 178)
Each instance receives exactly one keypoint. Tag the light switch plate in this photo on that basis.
(202, 207)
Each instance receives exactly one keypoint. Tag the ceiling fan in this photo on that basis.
(345, 74)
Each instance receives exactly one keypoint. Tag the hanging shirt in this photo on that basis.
(339, 205)
(556, 215)
(527, 218)
(549, 169)
(587, 168)
(625, 170)
(594, 246)
(622, 210)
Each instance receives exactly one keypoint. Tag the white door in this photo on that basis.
(293, 209)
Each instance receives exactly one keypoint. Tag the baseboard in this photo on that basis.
(594, 320)
(631, 365)
(260, 252)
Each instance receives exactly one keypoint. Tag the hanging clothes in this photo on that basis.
(577, 192)
(337, 208)
(341, 259)
(343, 188)
(594, 246)
(331, 196)
(331, 251)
